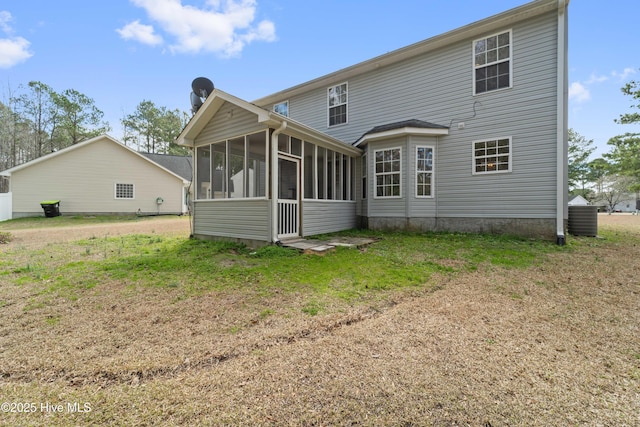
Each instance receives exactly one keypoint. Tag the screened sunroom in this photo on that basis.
(261, 177)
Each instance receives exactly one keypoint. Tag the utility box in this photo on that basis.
(583, 220)
(51, 208)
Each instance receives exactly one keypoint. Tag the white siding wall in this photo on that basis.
(84, 180)
(438, 88)
(5, 206)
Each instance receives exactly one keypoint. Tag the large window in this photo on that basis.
(492, 156)
(309, 170)
(256, 165)
(424, 171)
(387, 170)
(338, 104)
(328, 175)
(124, 191)
(235, 168)
(492, 63)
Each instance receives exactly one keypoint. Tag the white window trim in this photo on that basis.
(375, 175)
(329, 106)
(433, 171)
(473, 156)
(115, 191)
(280, 103)
(473, 63)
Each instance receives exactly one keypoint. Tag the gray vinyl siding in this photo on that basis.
(327, 216)
(221, 126)
(438, 87)
(233, 218)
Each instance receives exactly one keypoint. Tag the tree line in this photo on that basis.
(609, 179)
(36, 120)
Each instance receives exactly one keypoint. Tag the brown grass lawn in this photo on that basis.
(557, 344)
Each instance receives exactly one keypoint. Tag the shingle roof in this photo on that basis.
(180, 165)
(411, 123)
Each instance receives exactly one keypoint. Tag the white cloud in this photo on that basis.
(578, 93)
(13, 50)
(5, 18)
(596, 79)
(222, 26)
(141, 33)
(624, 75)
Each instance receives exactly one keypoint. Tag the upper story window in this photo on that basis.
(388, 172)
(424, 171)
(337, 104)
(492, 63)
(282, 108)
(124, 191)
(492, 156)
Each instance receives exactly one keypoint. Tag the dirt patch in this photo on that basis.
(42, 236)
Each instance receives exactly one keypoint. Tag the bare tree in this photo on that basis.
(614, 189)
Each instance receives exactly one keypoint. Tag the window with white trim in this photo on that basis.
(424, 171)
(124, 191)
(282, 108)
(337, 104)
(492, 156)
(388, 172)
(492, 63)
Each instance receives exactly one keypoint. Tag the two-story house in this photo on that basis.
(465, 131)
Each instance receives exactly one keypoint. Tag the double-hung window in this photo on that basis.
(424, 171)
(388, 172)
(492, 63)
(492, 156)
(337, 104)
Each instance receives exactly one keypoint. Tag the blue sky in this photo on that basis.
(121, 52)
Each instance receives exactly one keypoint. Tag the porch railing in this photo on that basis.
(287, 218)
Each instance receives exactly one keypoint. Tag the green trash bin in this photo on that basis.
(51, 208)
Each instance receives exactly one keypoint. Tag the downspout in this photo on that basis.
(274, 182)
(561, 122)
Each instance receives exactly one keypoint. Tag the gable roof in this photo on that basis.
(405, 127)
(85, 143)
(217, 99)
(180, 165)
(470, 31)
(578, 199)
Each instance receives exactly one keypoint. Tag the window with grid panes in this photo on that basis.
(492, 63)
(124, 191)
(491, 156)
(387, 172)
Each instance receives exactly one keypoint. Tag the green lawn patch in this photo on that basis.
(187, 268)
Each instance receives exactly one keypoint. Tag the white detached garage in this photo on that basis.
(96, 176)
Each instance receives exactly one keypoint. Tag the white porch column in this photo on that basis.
(274, 181)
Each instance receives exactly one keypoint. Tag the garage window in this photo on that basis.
(124, 191)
